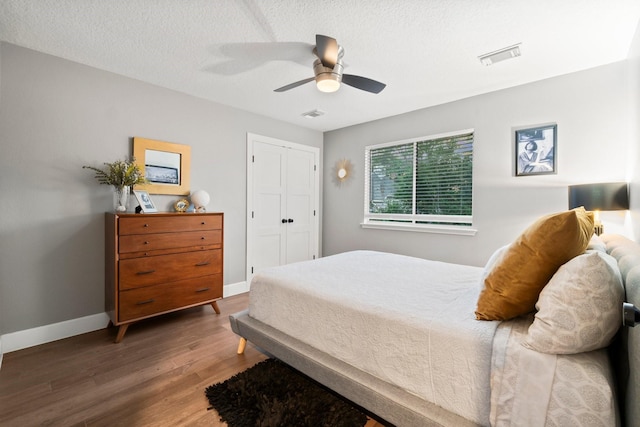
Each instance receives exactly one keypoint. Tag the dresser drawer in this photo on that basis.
(152, 242)
(151, 300)
(149, 224)
(138, 272)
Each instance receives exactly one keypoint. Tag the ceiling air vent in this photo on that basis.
(500, 55)
(312, 114)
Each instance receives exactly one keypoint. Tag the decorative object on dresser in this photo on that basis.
(200, 200)
(181, 205)
(145, 202)
(155, 264)
(122, 175)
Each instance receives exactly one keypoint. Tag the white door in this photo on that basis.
(282, 203)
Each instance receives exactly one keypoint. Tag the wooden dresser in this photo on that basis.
(158, 263)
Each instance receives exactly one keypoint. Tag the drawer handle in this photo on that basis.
(202, 238)
(146, 272)
(146, 225)
(146, 243)
(202, 264)
(202, 290)
(147, 301)
(202, 223)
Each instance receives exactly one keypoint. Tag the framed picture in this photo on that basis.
(145, 201)
(536, 150)
(166, 165)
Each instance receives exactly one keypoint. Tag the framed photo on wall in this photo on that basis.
(536, 150)
(145, 201)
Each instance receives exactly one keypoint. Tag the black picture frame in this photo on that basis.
(536, 150)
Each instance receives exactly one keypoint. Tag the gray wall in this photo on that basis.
(56, 116)
(634, 146)
(591, 109)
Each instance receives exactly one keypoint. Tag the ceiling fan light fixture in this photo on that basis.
(328, 82)
(328, 70)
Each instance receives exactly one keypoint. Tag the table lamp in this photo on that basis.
(609, 196)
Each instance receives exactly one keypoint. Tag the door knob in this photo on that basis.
(284, 220)
(290, 220)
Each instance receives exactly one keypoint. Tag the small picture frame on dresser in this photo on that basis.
(145, 201)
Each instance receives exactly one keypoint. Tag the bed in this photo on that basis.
(406, 339)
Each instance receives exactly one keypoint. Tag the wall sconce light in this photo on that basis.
(342, 171)
(611, 196)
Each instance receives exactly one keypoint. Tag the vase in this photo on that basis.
(121, 198)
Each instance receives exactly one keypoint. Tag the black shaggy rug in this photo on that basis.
(272, 394)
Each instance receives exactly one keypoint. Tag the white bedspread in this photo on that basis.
(406, 320)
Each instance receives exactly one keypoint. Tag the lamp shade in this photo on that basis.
(610, 196)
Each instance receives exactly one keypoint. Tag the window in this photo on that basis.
(420, 183)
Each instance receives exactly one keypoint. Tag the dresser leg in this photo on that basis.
(215, 307)
(121, 331)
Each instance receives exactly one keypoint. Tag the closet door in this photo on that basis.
(282, 203)
(269, 206)
(300, 206)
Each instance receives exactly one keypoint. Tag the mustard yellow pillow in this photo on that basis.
(513, 285)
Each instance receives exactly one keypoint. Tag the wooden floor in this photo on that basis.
(155, 377)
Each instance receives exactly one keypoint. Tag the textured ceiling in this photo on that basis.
(236, 52)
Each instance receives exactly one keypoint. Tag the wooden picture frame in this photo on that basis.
(536, 150)
(166, 165)
(145, 202)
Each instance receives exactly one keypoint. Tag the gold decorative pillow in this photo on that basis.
(513, 285)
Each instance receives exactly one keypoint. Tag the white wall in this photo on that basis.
(592, 112)
(56, 116)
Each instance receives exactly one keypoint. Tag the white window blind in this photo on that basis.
(423, 181)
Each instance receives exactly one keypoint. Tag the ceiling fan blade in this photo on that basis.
(363, 83)
(295, 84)
(327, 48)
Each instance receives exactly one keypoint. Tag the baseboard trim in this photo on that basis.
(235, 289)
(19, 340)
(56, 331)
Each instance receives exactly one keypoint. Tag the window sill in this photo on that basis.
(438, 229)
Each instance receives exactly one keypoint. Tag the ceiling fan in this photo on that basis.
(328, 70)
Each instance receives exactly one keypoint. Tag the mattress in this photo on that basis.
(407, 321)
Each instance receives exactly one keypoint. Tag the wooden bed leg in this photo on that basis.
(241, 345)
(370, 422)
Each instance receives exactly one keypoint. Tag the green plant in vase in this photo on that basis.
(122, 175)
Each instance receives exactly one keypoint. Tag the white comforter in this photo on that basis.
(405, 320)
(410, 322)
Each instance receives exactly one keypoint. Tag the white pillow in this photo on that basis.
(579, 309)
(493, 260)
(597, 244)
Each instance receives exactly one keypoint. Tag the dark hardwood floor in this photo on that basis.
(155, 377)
